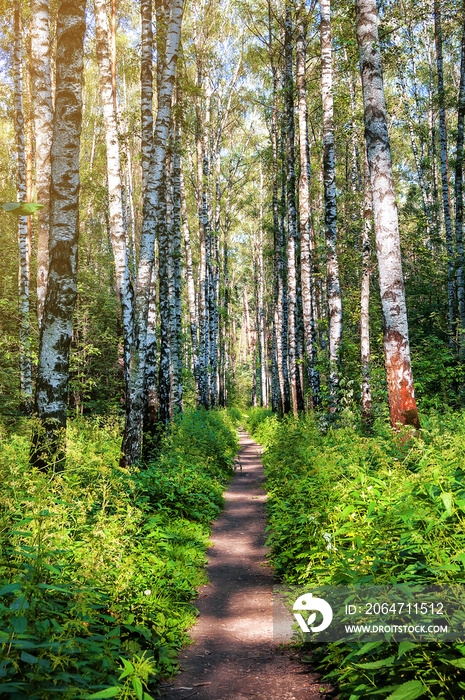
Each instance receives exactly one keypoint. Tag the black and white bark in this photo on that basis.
(402, 405)
(115, 202)
(367, 223)
(176, 309)
(291, 206)
(43, 129)
(329, 178)
(306, 271)
(167, 59)
(190, 284)
(451, 289)
(56, 329)
(458, 186)
(22, 232)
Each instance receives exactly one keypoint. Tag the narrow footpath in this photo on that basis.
(233, 656)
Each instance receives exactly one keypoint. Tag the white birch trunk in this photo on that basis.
(57, 321)
(329, 177)
(367, 220)
(402, 405)
(43, 130)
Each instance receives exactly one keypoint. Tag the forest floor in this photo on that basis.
(233, 655)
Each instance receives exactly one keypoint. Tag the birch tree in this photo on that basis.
(22, 232)
(56, 328)
(43, 129)
(329, 178)
(402, 404)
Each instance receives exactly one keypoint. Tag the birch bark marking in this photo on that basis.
(329, 177)
(146, 86)
(367, 218)
(445, 174)
(291, 207)
(402, 405)
(176, 320)
(23, 243)
(132, 439)
(116, 217)
(43, 130)
(459, 200)
(57, 321)
(305, 221)
(190, 286)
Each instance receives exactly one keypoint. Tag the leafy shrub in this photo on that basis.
(345, 508)
(99, 564)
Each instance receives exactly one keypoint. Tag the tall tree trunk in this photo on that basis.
(43, 129)
(459, 200)
(146, 89)
(291, 206)
(261, 312)
(115, 204)
(451, 291)
(167, 58)
(55, 333)
(367, 413)
(22, 229)
(193, 323)
(176, 319)
(305, 223)
(402, 405)
(329, 177)
(165, 296)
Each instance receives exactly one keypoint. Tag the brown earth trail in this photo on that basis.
(233, 656)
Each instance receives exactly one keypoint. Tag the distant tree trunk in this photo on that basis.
(459, 200)
(55, 334)
(115, 203)
(291, 207)
(176, 259)
(402, 405)
(43, 130)
(165, 294)
(23, 242)
(329, 176)
(451, 291)
(367, 412)
(190, 286)
(305, 223)
(260, 309)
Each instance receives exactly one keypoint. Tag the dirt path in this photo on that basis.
(233, 656)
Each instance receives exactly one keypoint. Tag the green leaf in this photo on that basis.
(137, 685)
(448, 500)
(408, 691)
(378, 664)
(21, 208)
(404, 647)
(10, 588)
(107, 693)
(460, 663)
(19, 624)
(28, 658)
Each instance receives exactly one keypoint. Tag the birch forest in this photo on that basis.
(213, 215)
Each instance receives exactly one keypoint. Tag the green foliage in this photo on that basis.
(21, 208)
(346, 508)
(99, 564)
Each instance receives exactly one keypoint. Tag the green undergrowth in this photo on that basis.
(99, 564)
(349, 509)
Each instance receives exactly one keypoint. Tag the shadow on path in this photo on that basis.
(233, 656)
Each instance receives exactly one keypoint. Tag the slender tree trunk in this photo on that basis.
(190, 287)
(146, 85)
(451, 291)
(329, 176)
(56, 330)
(43, 129)
(176, 345)
(167, 58)
(305, 223)
(115, 203)
(165, 295)
(261, 313)
(291, 207)
(459, 200)
(367, 413)
(23, 243)
(402, 405)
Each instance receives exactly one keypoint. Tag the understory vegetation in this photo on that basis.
(345, 508)
(99, 564)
